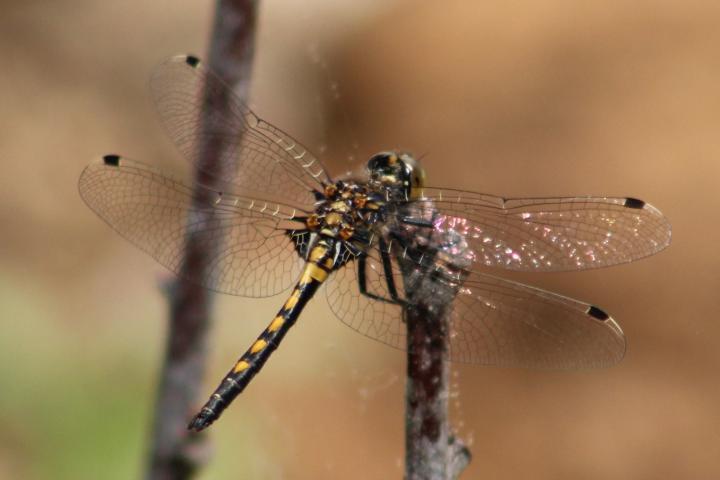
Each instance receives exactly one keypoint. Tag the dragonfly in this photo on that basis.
(380, 241)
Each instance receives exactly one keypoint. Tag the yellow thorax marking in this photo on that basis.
(313, 221)
(241, 366)
(258, 345)
(330, 190)
(340, 206)
(360, 200)
(276, 324)
(333, 218)
(346, 233)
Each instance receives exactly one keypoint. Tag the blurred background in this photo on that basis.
(519, 98)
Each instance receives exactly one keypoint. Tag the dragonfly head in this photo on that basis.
(397, 171)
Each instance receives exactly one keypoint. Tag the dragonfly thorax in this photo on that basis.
(347, 210)
(342, 209)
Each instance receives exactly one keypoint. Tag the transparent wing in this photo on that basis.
(493, 321)
(252, 252)
(377, 319)
(498, 322)
(201, 113)
(549, 234)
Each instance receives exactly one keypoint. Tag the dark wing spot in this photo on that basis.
(634, 203)
(595, 312)
(192, 60)
(113, 160)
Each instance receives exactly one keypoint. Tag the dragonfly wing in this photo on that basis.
(550, 234)
(377, 319)
(252, 252)
(201, 113)
(498, 322)
(493, 321)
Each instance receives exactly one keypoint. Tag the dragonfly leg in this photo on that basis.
(417, 222)
(387, 269)
(362, 284)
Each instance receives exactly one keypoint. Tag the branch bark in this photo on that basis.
(432, 452)
(174, 452)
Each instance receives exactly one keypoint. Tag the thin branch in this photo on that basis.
(174, 452)
(432, 453)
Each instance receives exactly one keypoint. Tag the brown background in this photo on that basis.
(512, 98)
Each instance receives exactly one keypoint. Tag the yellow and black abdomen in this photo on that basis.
(319, 265)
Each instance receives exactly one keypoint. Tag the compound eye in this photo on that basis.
(418, 178)
(374, 162)
(382, 161)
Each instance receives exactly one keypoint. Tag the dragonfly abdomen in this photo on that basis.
(319, 265)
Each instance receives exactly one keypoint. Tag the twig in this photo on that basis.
(174, 453)
(432, 453)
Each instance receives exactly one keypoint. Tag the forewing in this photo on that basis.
(202, 114)
(549, 234)
(250, 251)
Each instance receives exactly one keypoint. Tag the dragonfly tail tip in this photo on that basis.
(201, 421)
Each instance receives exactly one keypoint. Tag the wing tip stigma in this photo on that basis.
(192, 60)
(111, 160)
(597, 313)
(635, 203)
